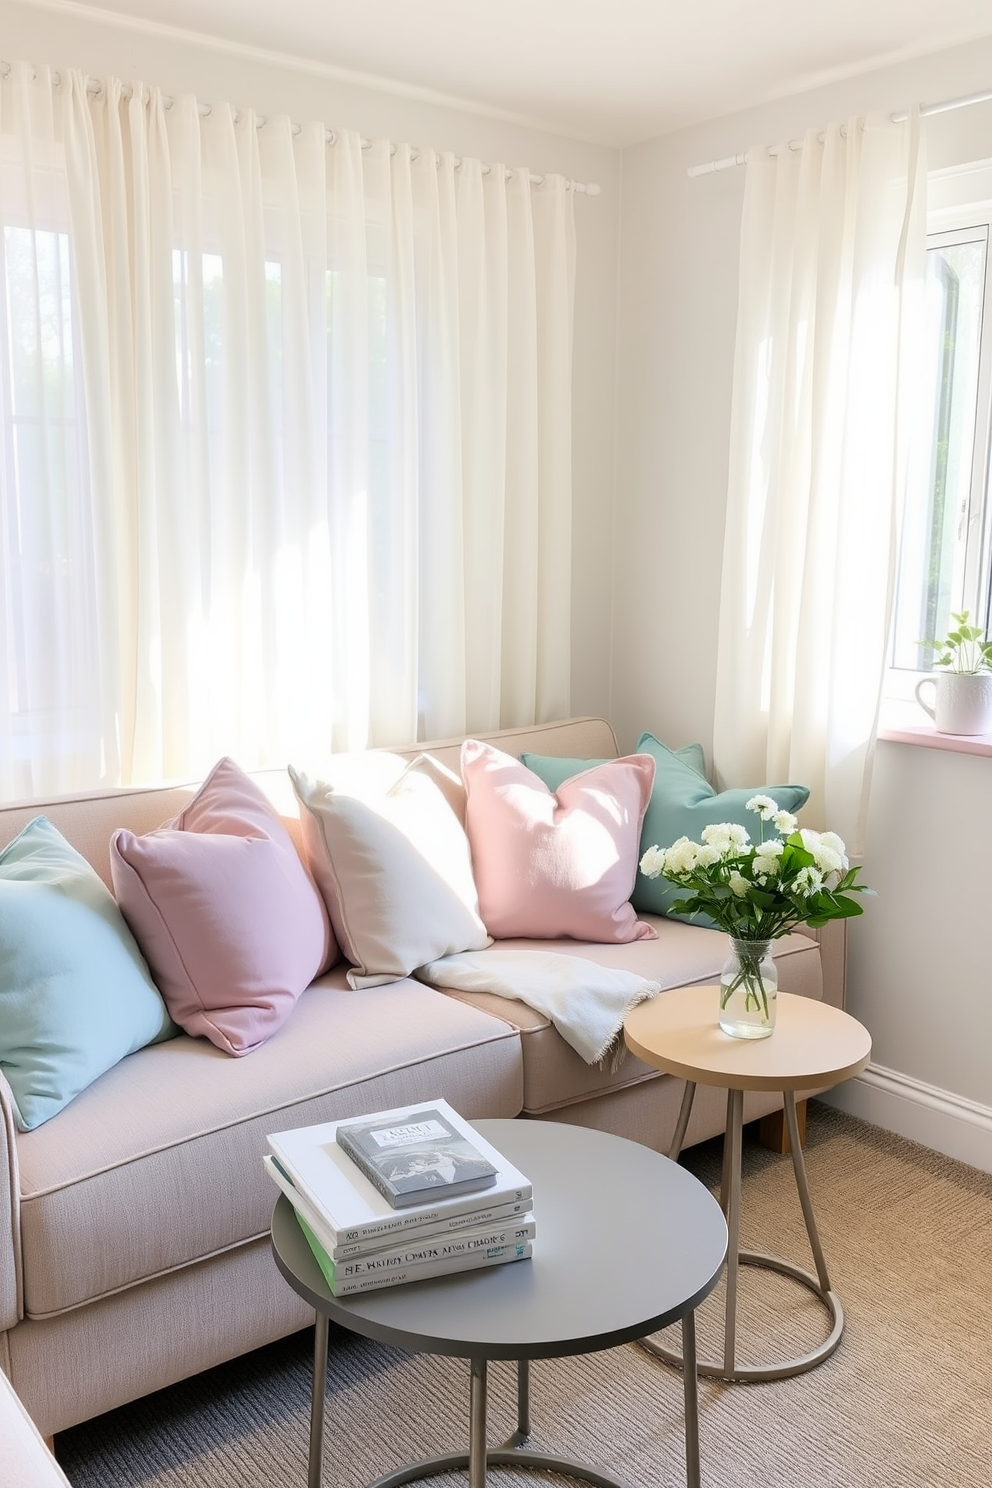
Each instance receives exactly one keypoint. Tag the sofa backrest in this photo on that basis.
(89, 820)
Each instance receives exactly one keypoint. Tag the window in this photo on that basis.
(945, 564)
(282, 421)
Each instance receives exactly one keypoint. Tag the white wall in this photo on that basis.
(182, 64)
(918, 972)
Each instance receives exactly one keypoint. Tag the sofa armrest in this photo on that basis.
(832, 938)
(10, 1214)
(27, 1462)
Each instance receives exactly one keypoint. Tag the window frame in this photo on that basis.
(959, 208)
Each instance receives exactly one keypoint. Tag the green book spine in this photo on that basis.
(320, 1254)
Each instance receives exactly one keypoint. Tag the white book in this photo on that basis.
(415, 1248)
(419, 1251)
(500, 1216)
(354, 1210)
(343, 1286)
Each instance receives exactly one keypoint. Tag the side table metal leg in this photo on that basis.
(477, 1445)
(799, 1168)
(730, 1202)
(691, 1395)
(683, 1122)
(319, 1391)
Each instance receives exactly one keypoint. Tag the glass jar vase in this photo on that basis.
(748, 990)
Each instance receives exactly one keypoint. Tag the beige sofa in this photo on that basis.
(134, 1243)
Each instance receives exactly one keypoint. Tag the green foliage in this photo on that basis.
(775, 906)
(963, 649)
(757, 891)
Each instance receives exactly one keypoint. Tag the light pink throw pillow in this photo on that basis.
(226, 915)
(548, 865)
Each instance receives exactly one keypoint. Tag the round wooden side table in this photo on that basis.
(814, 1046)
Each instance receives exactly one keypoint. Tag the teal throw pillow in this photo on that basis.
(683, 803)
(76, 994)
(554, 770)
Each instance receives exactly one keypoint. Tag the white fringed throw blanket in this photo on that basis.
(586, 1002)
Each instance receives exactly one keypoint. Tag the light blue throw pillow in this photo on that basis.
(554, 770)
(682, 803)
(76, 995)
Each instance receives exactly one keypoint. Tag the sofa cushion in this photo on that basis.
(225, 912)
(75, 993)
(549, 865)
(182, 1176)
(555, 1076)
(394, 868)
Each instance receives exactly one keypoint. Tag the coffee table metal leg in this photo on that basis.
(691, 1395)
(318, 1395)
(477, 1444)
(523, 1398)
(522, 1433)
(479, 1458)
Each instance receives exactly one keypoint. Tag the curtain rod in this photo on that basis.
(95, 86)
(729, 161)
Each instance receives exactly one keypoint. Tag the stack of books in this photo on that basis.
(402, 1195)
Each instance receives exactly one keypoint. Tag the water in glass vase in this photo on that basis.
(748, 990)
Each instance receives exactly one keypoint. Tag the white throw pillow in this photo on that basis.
(451, 785)
(394, 868)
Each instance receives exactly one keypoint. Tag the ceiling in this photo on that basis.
(609, 71)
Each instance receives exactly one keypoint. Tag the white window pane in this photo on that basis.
(936, 528)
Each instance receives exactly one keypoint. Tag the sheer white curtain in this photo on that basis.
(286, 439)
(832, 254)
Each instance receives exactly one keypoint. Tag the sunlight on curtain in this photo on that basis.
(58, 652)
(286, 439)
(832, 256)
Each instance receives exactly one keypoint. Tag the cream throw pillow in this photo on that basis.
(394, 868)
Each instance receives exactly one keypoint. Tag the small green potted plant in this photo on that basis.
(962, 681)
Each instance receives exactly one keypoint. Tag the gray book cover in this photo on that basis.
(416, 1158)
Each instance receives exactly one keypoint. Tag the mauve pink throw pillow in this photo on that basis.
(226, 915)
(549, 865)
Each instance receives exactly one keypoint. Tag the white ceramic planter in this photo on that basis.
(962, 701)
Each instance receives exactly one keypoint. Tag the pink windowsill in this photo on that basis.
(926, 737)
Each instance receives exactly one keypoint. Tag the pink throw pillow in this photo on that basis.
(226, 915)
(549, 865)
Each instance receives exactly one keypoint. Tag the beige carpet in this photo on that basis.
(906, 1402)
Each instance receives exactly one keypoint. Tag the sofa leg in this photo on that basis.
(773, 1132)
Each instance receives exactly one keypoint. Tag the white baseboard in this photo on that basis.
(935, 1118)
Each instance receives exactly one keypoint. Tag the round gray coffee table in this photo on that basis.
(627, 1243)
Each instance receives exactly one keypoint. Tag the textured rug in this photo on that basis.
(905, 1402)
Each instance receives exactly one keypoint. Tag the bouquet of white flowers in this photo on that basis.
(760, 890)
(757, 891)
